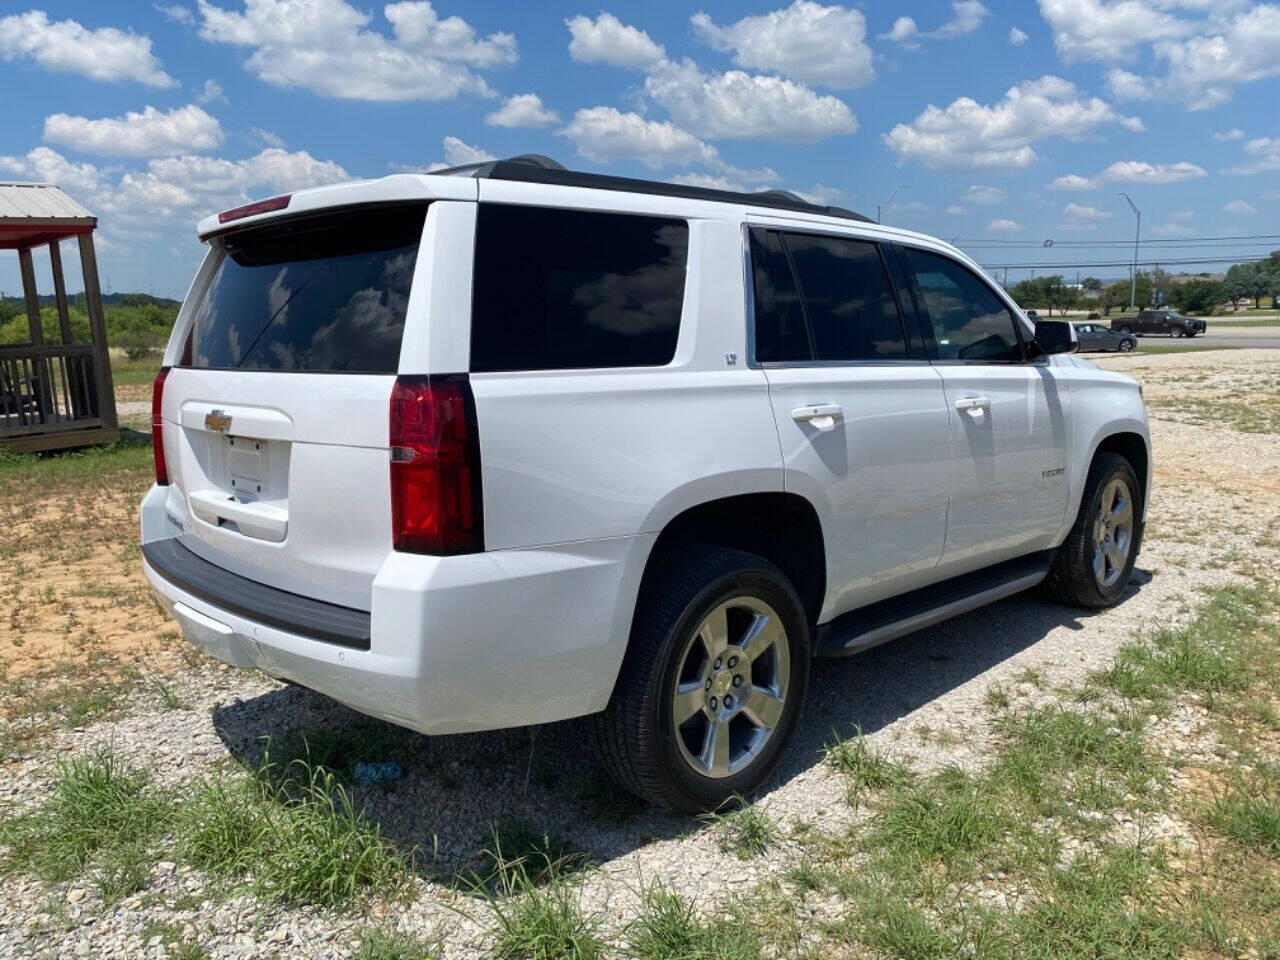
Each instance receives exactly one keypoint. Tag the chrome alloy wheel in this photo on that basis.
(1112, 533)
(731, 686)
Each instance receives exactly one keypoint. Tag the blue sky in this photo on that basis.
(1005, 121)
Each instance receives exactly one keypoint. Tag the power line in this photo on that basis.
(1261, 239)
(1162, 262)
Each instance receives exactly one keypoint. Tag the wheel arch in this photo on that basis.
(1133, 447)
(782, 527)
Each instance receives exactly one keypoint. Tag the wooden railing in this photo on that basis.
(48, 389)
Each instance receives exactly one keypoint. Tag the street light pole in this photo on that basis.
(1133, 282)
(885, 202)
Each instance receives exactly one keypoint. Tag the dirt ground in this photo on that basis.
(73, 598)
(76, 590)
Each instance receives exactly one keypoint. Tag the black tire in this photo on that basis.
(1177, 332)
(1071, 578)
(636, 735)
(1125, 346)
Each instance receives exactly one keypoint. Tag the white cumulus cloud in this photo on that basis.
(1171, 229)
(1080, 212)
(211, 92)
(522, 110)
(1262, 155)
(982, 194)
(1226, 136)
(1072, 181)
(1196, 53)
(1239, 208)
(970, 134)
(48, 166)
(65, 46)
(151, 133)
(606, 39)
(739, 105)
(457, 153)
(904, 30)
(606, 135)
(1017, 37)
(966, 17)
(1004, 226)
(324, 46)
(806, 41)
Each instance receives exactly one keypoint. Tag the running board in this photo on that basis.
(877, 623)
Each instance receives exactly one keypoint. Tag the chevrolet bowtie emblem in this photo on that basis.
(217, 421)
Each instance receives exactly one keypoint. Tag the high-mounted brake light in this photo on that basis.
(258, 206)
(157, 427)
(436, 504)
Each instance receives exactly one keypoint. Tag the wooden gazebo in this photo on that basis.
(54, 392)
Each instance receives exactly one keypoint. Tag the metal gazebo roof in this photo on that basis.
(36, 213)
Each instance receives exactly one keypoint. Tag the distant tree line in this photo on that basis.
(136, 322)
(1244, 281)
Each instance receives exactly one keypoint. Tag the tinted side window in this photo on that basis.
(780, 328)
(850, 304)
(561, 289)
(325, 293)
(969, 321)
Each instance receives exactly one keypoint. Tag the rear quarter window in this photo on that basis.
(568, 289)
(325, 293)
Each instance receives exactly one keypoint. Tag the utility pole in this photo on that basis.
(1133, 282)
(885, 202)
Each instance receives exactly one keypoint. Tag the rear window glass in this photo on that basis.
(324, 294)
(564, 289)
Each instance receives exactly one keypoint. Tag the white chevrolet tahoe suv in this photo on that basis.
(509, 444)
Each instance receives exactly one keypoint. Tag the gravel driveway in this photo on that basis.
(922, 698)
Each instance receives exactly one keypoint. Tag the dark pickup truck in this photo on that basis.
(1168, 322)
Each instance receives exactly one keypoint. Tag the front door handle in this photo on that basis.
(820, 416)
(974, 405)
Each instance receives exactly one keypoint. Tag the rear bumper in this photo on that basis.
(255, 601)
(455, 644)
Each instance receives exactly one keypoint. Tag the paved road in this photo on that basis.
(1219, 336)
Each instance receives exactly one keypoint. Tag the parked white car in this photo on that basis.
(509, 444)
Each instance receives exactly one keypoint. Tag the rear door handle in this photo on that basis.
(820, 416)
(974, 405)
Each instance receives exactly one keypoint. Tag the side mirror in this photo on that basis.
(1054, 336)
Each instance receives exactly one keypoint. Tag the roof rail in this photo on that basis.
(536, 168)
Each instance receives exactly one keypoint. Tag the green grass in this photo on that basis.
(99, 806)
(386, 943)
(133, 372)
(301, 841)
(1222, 650)
(1080, 759)
(538, 915)
(1250, 815)
(88, 463)
(941, 818)
(668, 928)
(745, 832)
(864, 767)
(540, 857)
(1023, 858)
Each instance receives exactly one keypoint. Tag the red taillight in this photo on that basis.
(258, 206)
(435, 466)
(157, 427)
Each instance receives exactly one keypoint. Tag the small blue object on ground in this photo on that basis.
(383, 772)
